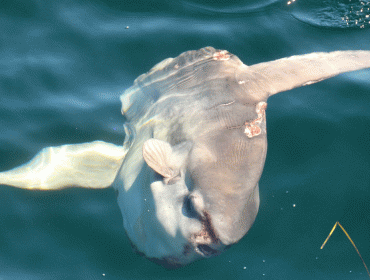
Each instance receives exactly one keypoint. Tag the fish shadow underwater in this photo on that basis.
(187, 174)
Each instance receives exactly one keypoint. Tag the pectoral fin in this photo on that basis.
(157, 155)
(165, 159)
(291, 72)
(90, 165)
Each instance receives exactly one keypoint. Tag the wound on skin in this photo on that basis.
(253, 128)
(221, 55)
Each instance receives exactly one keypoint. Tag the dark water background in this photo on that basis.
(63, 65)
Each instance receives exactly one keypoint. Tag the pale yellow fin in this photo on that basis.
(89, 165)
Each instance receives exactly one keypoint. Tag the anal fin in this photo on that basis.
(89, 165)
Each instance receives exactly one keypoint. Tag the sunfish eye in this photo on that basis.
(188, 208)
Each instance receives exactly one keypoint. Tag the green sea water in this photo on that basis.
(63, 66)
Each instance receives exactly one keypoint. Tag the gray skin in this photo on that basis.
(187, 175)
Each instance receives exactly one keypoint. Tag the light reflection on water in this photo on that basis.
(332, 13)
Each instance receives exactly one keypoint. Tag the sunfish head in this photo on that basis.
(168, 224)
(199, 200)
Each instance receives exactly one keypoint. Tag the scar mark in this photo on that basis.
(231, 102)
(221, 55)
(253, 128)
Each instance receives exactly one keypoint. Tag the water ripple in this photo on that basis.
(332, 13)
(228, 7)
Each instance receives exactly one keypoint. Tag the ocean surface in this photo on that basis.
(63, 66)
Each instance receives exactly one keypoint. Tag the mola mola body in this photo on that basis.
(187, 175)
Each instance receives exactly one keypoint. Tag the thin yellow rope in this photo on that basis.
(345, 232)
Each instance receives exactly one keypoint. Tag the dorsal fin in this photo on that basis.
(295, 71)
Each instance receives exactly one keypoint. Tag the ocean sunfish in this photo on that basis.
(187, 174)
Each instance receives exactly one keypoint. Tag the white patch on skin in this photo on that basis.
(253, 128)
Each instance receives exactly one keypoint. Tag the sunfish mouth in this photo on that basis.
(205, 242)
(206, 251)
